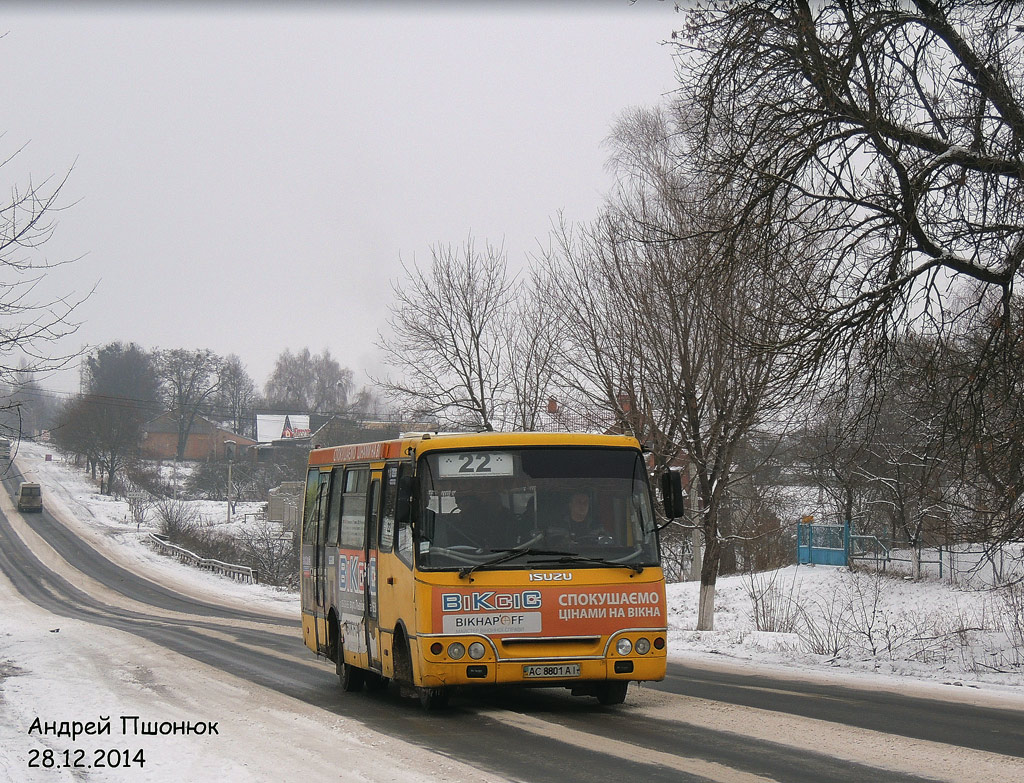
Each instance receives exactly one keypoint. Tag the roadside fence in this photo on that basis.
(964, 565)
(239, 573)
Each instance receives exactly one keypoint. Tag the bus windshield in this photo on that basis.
(517, 508)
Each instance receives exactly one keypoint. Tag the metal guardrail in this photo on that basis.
(237, 572)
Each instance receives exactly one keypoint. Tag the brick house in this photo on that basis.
(205, 441)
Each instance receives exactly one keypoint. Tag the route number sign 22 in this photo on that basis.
(475, 463)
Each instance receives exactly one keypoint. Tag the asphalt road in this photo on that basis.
(699, 724)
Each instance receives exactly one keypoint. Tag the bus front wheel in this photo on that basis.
(433, 698)
(429, 698)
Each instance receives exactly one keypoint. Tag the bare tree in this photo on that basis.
(236, 395)
(104, 424)
(105, 430)
(272, 550)
(28, 408)
(309, 383)
(894, 129)
(830, 446)
(74, 434)
(909, 459)
(449, 339)
(917, 451)
(532, 331)
(123, 371)
(31, 321)
(189, 379)
(682, 328)
(985, 412)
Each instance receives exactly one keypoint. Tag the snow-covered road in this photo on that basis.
(82, 668)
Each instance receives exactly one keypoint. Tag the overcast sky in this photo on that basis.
(249, 180)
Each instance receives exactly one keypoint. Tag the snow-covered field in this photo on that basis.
(877, 632)
(827, 618)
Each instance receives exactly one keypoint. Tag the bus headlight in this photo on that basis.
(623, 647)
(643, 646)
(476, 651)
(456, 650)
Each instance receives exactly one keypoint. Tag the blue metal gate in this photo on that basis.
(823, 544)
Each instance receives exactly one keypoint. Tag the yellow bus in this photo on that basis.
(455, 560)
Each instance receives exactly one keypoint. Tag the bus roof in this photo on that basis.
(415, 444)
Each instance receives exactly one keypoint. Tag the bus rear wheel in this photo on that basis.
(351, 677)
(374, 681)
(613, 692)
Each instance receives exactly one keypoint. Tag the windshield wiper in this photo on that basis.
(572, 558)
(563, 557)
(506, 555)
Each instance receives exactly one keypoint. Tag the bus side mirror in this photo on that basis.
(672, 497)
(403, 504)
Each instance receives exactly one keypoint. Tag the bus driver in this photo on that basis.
(577, 525)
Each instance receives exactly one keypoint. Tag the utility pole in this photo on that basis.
(229, 450)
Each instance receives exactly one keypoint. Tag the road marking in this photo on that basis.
(626, 750)
(877, 749)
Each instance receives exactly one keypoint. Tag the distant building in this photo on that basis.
(287, 438)
(271, 427)
(205, 440)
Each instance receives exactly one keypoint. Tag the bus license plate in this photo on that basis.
(553, 670)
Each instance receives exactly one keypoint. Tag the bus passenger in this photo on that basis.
(483, 521)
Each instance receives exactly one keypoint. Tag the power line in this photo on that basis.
(216, 410)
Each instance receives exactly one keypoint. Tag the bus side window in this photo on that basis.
(387, 528)
(323, 504)
(373, 513)
(309, 507)
(353, 509)
(334, 515)
(403, 532)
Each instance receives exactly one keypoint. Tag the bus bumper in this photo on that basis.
(541, 673)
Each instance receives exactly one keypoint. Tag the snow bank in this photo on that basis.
(824, 618)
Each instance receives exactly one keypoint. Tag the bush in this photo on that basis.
(177, 518)
(1011, 598)
(272, 552)
(774, 608)
(250, 482)
(143, 475)
(264, 547)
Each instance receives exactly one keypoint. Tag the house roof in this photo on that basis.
(168, 423)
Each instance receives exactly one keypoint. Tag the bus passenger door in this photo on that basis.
(313, 586)
(322, 599)
(371, 558)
